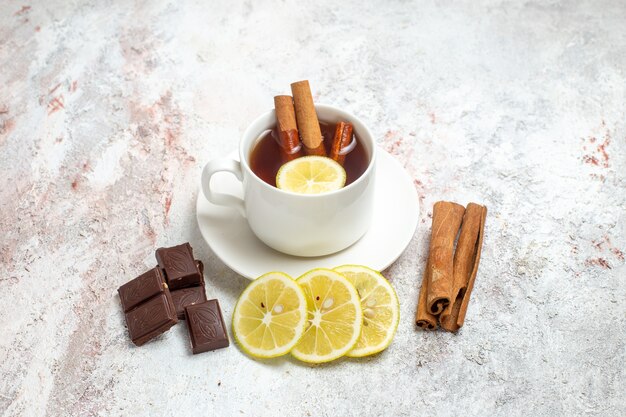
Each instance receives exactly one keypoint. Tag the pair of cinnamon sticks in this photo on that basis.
(449, 276)
(296, 120)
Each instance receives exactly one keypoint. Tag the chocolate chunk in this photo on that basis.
(206, 326)
(143, 287)
(186, 297)
(148, 306)
(181, 270)
(190, 295)
(151, 318)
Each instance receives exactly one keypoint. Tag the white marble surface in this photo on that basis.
(109, 109)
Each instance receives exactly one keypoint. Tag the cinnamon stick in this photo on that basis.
(466, 260)
(447, 218)
(289, 141)
(308, 125)
(423, 318)
(343, 137)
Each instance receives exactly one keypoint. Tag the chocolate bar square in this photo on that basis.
(151, 319)
(206, 326)
(143, 287)
(148, 306)
(186, 297)
(190, 295)
(181, 270)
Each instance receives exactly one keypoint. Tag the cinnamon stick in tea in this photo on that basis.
(447, 218)
(343, 138)
(308, 125)
(466, 260)
(423, 318)
(290, 147)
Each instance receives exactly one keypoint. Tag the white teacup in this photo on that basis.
(299, 224)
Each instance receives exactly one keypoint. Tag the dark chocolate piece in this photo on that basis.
(206, 326)
(190, 295)
(148, 306)
(179, 266)
(186, 297)
(140, 289)
(151, 318)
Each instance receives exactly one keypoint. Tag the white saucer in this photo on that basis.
(396, 212)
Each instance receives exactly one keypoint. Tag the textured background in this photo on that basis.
(109, 109)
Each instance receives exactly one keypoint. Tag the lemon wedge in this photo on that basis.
(311, 175)
(270, 316)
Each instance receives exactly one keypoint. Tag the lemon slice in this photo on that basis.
(270, 316)
(311, 175)
(335, 316)
(381, 312)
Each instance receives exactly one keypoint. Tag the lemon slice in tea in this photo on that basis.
(311, 175)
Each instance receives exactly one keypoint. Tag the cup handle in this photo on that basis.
(221, 199)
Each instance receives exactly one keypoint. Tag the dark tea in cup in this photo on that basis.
(265, 157)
